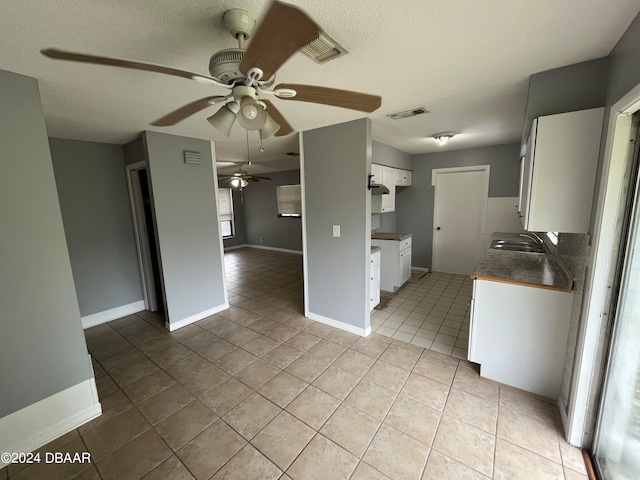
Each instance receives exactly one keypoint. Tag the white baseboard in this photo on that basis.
(112, 314)
(36, 425)
(420, 269)
(173, 326)
(565, 423)
(341, 325)
(264, 247)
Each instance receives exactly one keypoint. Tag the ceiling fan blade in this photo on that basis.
(333, 96)
(285, 128)
(253, 179)
(260, 178)
(186, 111)
(283, 31)
(56, 54)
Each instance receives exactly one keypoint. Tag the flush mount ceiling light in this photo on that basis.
(444, 137)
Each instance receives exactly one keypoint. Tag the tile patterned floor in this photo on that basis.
(431, 312)
(260, 392)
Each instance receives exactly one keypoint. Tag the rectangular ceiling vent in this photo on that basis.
(323, 48)
(408, 113)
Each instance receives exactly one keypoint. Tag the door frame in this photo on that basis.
(579, 418)
(142, 244)
(486, 169)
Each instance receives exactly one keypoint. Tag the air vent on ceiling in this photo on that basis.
(408, 113)
(323, 48)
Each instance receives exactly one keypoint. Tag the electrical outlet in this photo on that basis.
(336, 230)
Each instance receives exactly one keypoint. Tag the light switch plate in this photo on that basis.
(336, 230)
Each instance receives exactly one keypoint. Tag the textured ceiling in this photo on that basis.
(466, 61)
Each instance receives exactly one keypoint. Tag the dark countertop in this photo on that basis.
(390, 236)
(522, 268)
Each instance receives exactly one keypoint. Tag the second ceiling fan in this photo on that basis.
(248, 73)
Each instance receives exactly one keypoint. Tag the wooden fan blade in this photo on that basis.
(186, 111)
(284, 30)
(260, 178)
(252, 178)
(333, 96)
(285, 128)
(56, 54)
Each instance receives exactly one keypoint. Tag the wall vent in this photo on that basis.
(323, 48)
(192, 157)
(408, 113)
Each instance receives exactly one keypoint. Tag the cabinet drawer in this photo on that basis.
(374, 275)
(406, 243)
(375, 258)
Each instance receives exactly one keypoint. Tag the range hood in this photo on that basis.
(377, 188)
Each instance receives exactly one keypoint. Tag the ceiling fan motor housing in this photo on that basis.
(225, 65)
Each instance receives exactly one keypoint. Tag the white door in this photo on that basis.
(459, 217)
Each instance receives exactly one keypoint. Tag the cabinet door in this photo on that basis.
(389, 180)
(405, 266)
(374, 286)
(376, 171)
(527, 176)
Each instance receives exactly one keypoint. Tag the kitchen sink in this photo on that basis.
(516, 246)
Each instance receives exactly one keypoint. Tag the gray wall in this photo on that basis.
(42, 346)
(336, 161)
(94, 200)
(261, 214)
(391, 157)
(414, 205)
(624, 64)
(566, 89)
(240, 235)
(188, 231)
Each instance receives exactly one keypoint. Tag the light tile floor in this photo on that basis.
(260, 392)
(431, 312)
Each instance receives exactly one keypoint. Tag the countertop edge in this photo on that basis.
(567, 289)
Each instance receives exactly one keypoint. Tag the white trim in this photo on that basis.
(596, 299)
(305, 262)
(341, 325)
(36, 425)
(420, 269)
(263, 247)
(112, 314)
(173, 326)
(221, 240)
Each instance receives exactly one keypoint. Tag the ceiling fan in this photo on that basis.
(248, 73)
(241, 178)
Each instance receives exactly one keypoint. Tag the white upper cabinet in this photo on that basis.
(403, 178)
(387, 202)
(559, 172)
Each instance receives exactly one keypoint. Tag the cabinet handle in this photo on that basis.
(438, 228)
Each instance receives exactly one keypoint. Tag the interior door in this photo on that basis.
(460, 215)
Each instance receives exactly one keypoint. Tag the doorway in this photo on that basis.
(144, 230)
(459, 217)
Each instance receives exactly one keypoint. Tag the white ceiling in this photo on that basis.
(466, 61)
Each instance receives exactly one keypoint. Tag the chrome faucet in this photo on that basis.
(536, 238)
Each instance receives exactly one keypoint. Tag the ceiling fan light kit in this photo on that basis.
(444, 137)
(248, 73)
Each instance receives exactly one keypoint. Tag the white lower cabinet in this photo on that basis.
(374, 280)
(395, 263)
(519, 335)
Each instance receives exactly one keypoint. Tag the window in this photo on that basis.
(289, 201)
(225, 201)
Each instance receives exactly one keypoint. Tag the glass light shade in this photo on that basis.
(223, 120)
(235, 182)
(251, 115)
(269, 128)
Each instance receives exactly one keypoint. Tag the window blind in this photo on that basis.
(289, 200)
(226, 204)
